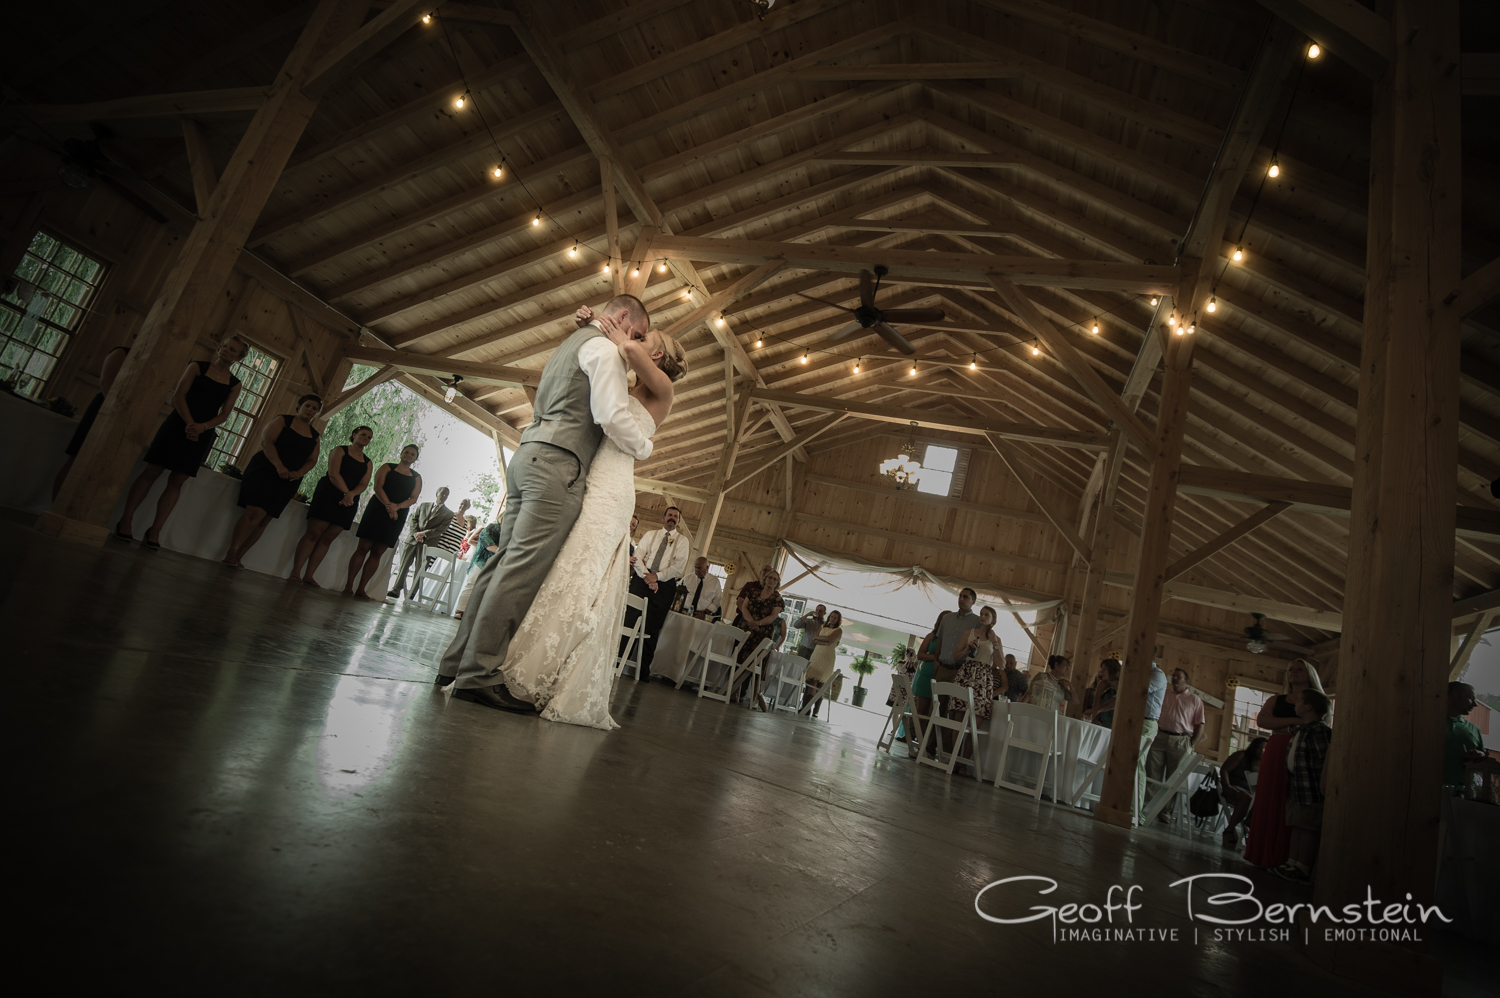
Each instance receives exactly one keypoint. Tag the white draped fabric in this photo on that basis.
(1080, 744)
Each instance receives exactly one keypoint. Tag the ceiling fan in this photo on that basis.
(1256, 636)
(867, 316)
(85, 161)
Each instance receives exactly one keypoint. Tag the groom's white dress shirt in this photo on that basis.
(674, 558)
(701, 595)
(609, 398)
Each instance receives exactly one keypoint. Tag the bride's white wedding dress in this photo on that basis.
(562, 656)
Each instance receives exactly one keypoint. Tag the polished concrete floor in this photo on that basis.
(229, 784)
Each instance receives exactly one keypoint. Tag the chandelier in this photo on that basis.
(904, 469)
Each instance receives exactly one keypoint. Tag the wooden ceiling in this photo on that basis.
(1081, 131)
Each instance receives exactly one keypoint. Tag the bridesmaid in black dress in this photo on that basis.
(397, 489)
(288, 450)
(334, 501)
(204, 398)
(113, 361)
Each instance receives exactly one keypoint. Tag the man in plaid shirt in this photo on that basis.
(1304, 789)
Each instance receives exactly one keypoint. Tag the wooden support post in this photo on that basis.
(1380, 819)
(200, 164)
(640, 259)
(194, 286)
(1117, 800)
(612, 225)
(1099, 544)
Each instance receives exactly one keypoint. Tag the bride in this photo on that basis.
(562, 656)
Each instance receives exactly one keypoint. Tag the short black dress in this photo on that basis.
(376, 525)
(327, 500)
(261, 486)
(87, 422)
(171, 449)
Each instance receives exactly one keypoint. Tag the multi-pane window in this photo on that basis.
(256, 371)
(43, 304)
(943, 470)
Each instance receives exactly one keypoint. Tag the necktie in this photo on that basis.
(660, 550)
(696, 593)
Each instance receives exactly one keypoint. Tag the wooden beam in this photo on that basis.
(1119, 798)
(1101, 542)
(1477, 290)
(1273, 666)
(349, 395)
(198, 102)
(786, 449)
(661, 488)
(357, 49)
(463, 407)
(1070, 358)
(908, 495)
(912, 264)
(1348, 29)
(905, 71)
(734, 435)
(192, 290)
(1471, 641)
(1228, 537)
(200, 164)
(1022, 474)
(421, 363)
(641, 259)
(936, 420)
(1326, 620)
(1476, 604)
(611, 227)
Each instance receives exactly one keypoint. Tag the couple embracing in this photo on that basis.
(543, 622)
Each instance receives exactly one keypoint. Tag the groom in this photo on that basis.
(580, 398)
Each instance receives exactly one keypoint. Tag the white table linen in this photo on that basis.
(1079, 745)
(40, 436)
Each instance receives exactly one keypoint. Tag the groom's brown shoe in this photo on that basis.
(495, 696)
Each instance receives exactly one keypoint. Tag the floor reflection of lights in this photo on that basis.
(361, 734)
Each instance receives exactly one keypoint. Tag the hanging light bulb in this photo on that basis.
(1171, 320)
(636, 272)
(663, 268)
(1213, 304)
(458, 102)
(1036, 351)
(497, 171)
(759, 343)
(1239, 254)
(573, 250)
(606, 268)
(1095, 330)
(1314, 50)
(856, 366)
(719, 321)
(1275, 170)
(426, 18)
(536, 220)
(1192, 327)
(913, 371)
(1155, 301)
(452, 389)
(1179, 330)
(974, 364)
(804, 356)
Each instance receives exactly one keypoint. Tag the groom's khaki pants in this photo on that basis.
(543, 496)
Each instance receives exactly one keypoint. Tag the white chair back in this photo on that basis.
(825, 694)
(902, 716)
(965, 729)
(634, 634)
(721, 652)
(1028, 729)
(791, 678)
(440, 574)
(1166, 790)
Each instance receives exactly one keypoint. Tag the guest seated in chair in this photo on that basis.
(1234, 787)
(288, 450)
(334, 502)
(1051, 689)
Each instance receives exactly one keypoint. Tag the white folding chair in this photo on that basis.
(966, 728)
(824, 694)
(795, 678)
(440, 573)
(755, 666)
(636, 635)
(1169, 787)
(1084, 791)
(1024, 722)
(713, 655)
(901, 716)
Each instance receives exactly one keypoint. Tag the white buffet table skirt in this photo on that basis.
(681, 635)
(40, 436)
(1080, 744)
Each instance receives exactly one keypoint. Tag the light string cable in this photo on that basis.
(541, 212)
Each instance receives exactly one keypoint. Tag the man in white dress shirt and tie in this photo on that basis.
(661, 558)
(701, 592)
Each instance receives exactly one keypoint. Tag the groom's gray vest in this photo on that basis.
(562, 415)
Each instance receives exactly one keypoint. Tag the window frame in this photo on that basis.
(235, 431)
(960, 473)
(65, 334)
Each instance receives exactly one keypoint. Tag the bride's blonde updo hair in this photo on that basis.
(673, 361)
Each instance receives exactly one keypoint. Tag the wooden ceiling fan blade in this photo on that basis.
(847, 331)
(894, 338)
(866, 288)
(913, 315)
